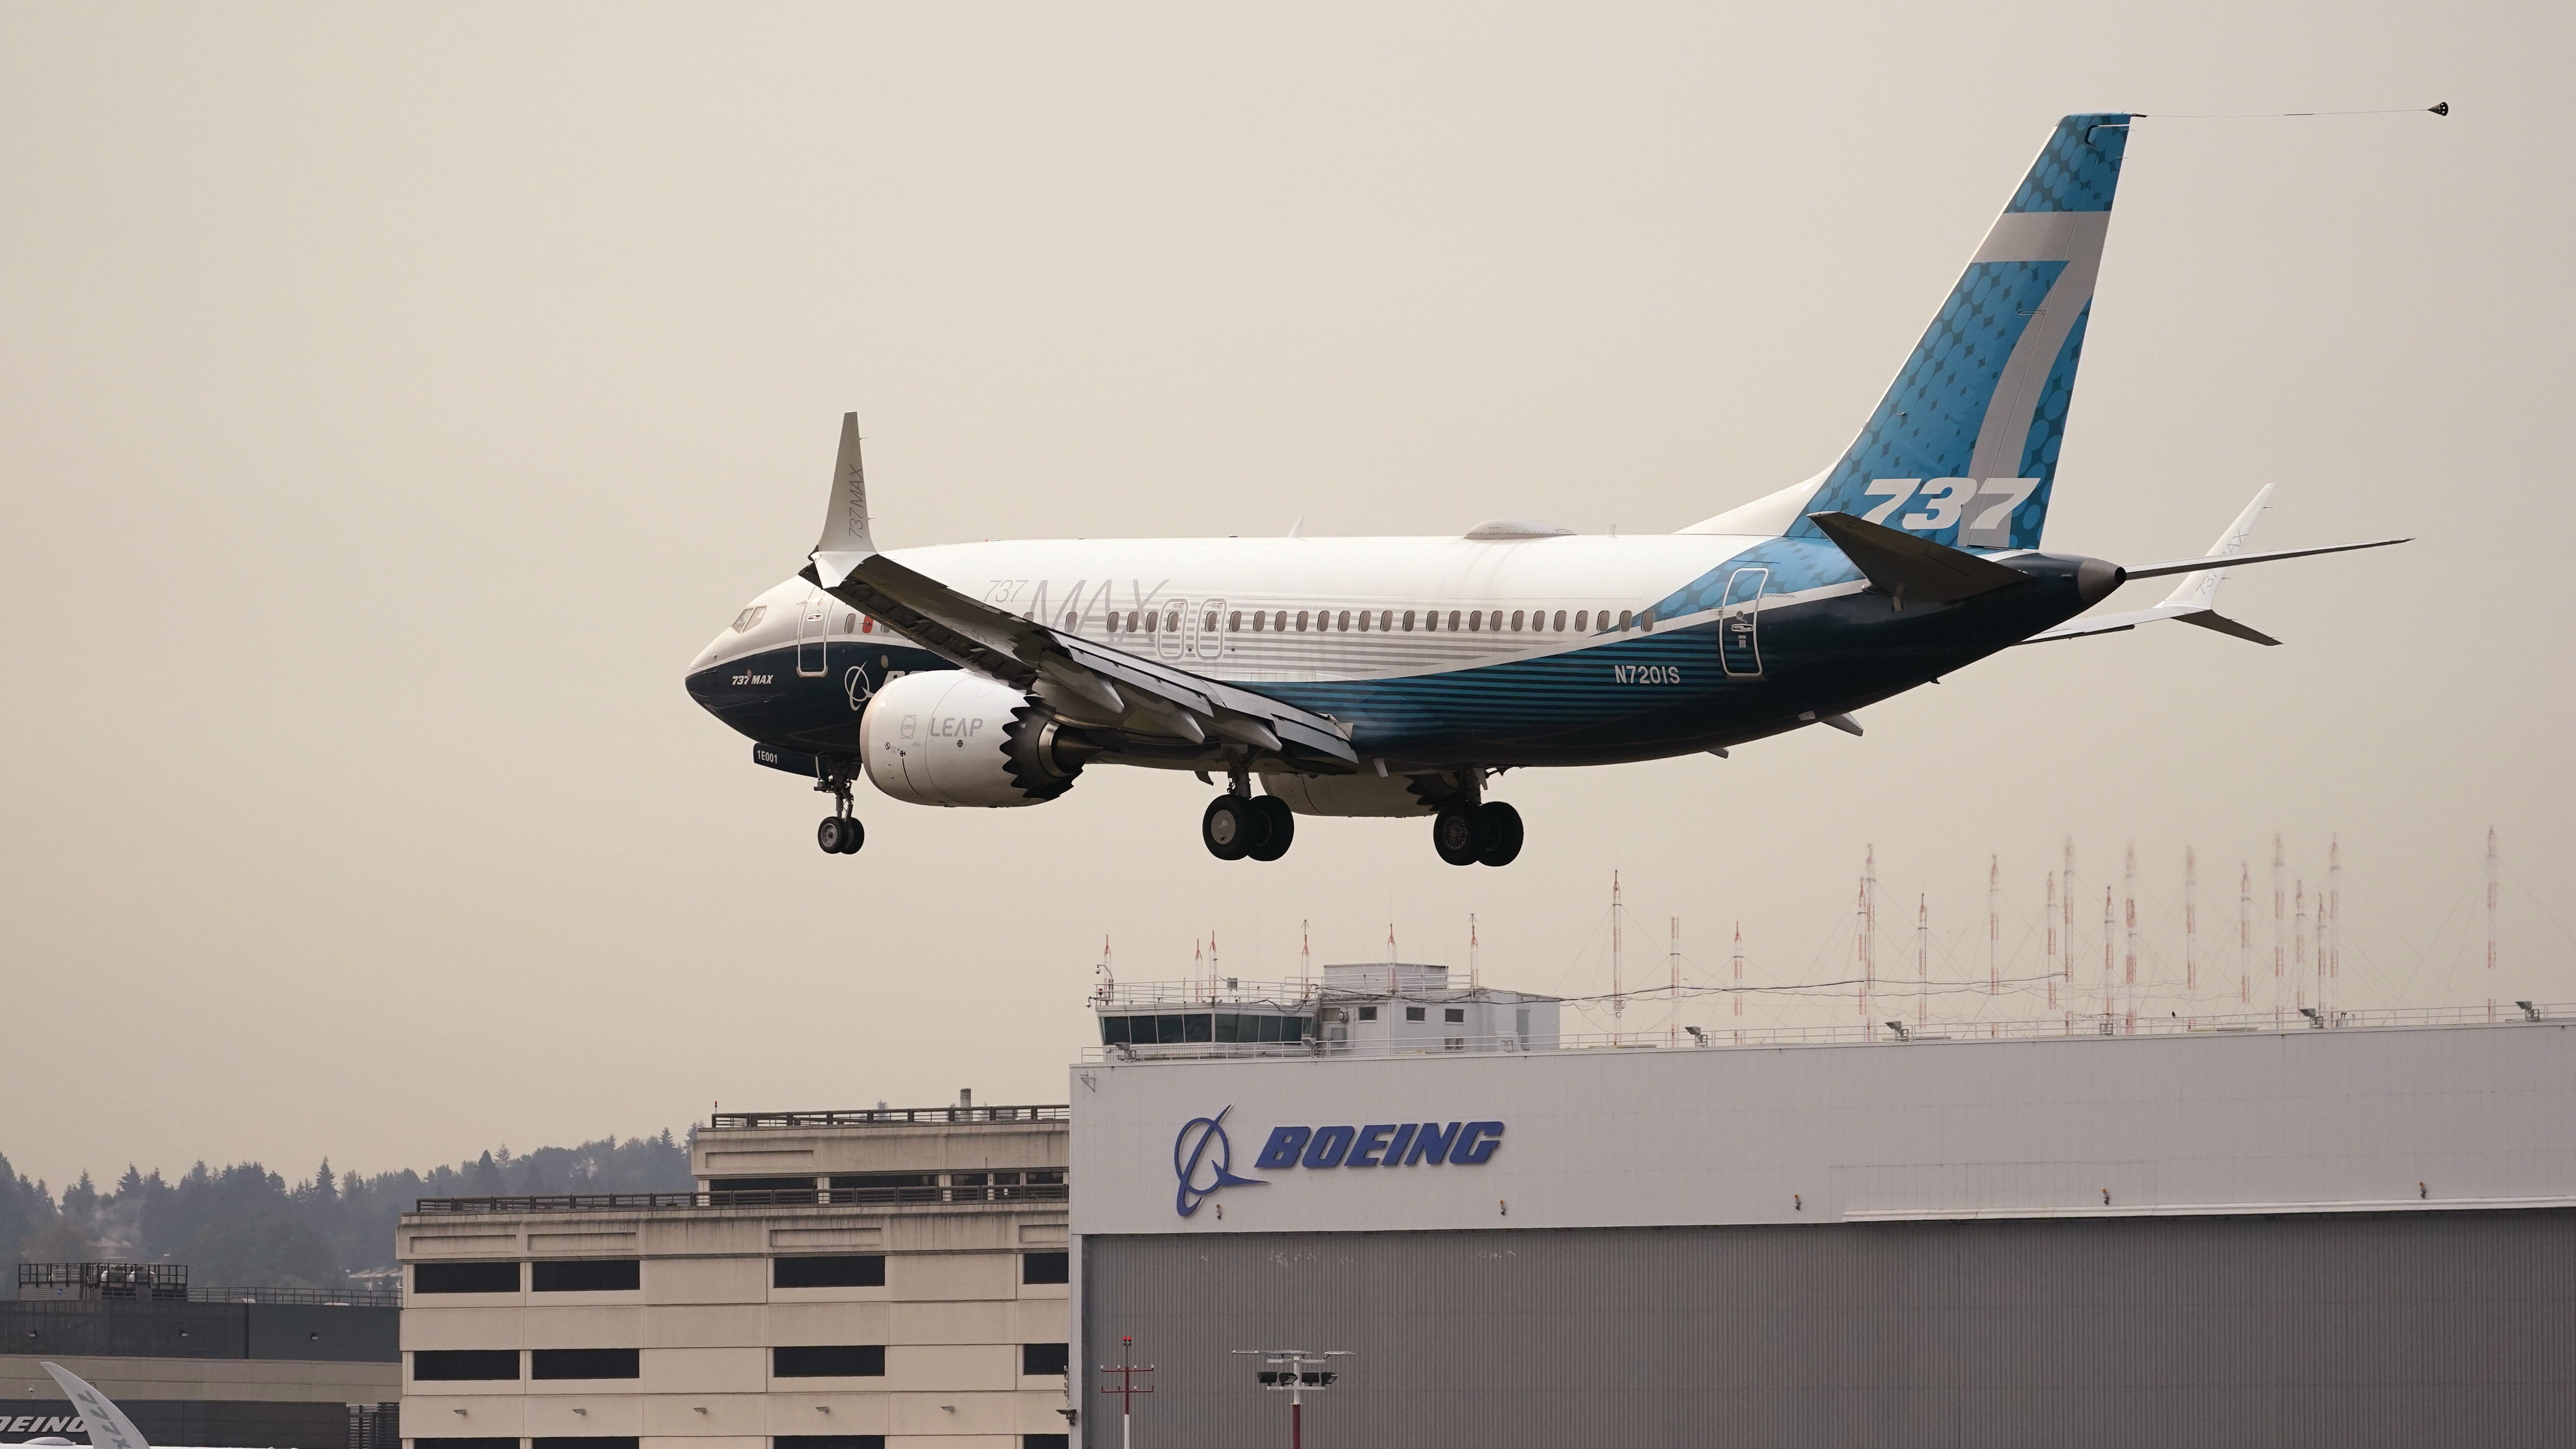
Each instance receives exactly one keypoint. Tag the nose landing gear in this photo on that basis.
(840, 833)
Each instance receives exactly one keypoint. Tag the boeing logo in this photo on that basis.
(1203, 1156)
(1202, 1152)
(1382, 1144)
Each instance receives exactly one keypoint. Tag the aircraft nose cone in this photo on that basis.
(2095, 578)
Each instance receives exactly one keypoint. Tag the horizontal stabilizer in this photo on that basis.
(1908, 567)
(2181, 614)
(2212, 619)
(2194, 565)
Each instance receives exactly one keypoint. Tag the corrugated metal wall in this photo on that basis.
(2404, 1329)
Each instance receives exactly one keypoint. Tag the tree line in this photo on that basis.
(244, 1226)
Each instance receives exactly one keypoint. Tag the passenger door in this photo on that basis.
(813, 626)
(1739, 645)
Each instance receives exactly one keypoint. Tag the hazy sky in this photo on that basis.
(397, 397)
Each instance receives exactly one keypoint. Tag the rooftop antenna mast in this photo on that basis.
(2048, 917)
(2110, 969)
(2190, 924)
(1922, 959)
(2280, 925)
(1216, 973)
(2068, 965)
(1618, 982)
(1107, 986)
(1305, 958)
(2330, 953)
(1673, 986)
(2245, 934)
(2129, 884)
(2299, 946)
(1739, 983)
(1869, 941)
(1475, 977)
(2491, 924)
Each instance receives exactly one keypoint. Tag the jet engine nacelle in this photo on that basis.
(949, 737)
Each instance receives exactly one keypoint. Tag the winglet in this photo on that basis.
(107, 1425)
(845, 537)
(2199, 589)
(1913, 568)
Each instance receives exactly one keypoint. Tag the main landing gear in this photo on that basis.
(840, 833)
(1239, 825)
(1486, 834)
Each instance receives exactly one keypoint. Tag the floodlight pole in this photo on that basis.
(1296, 1359)
(1126, 1389)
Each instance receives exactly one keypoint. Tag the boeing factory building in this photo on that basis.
(2335, 1234)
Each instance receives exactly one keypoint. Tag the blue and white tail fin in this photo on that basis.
(1963, 449)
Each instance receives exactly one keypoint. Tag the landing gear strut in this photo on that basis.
(1239, 825)
(1486, 834)
(840, 833)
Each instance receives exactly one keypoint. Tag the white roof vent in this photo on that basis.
(1506, 528)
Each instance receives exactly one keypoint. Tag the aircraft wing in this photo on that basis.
(1085, 682)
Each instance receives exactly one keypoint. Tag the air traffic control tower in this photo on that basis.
(2357, 1231)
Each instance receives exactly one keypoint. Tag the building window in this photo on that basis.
(447, 1365)
(1453, 1043)
(850, 1270)
(833, 1361)
(1045, 1441)
(1042, 1358)
(586, 1275)
(1045, 1267)
(468, 1443)
(584, 1441)
(831, 1441)
(1368, 1013)
(1413, 1013)
(465, 1278)
(583, 1363)
(1453, 1013)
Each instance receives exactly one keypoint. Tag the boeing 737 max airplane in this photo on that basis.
(1400, 676)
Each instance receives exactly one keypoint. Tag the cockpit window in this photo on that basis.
(749, 617)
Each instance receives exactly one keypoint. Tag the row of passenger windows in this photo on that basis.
(799, 1361)
(1189, 1026)
(1362, 621)
(630, 1441)
(839, 1270)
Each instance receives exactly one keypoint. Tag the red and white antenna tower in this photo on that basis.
(2068, 968)
(1922, 958)
(2110, 964)
(2280, 926)
(2190, 924)
(2491, 923)
(2245, 934)
(1618, 976)
(1994, 925)
(1126, 1389)
(2048, 918)
(2129, 884)
(1739, 983)
(2330, 955)
(1673, 988)
(2299, 946)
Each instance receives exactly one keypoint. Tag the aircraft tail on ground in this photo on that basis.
(1963, 449)
(107, 1425)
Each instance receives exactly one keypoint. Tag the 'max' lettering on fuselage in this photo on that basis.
(1381, 1144)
